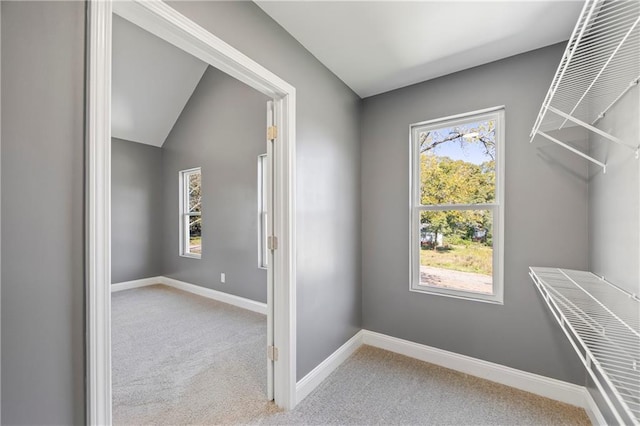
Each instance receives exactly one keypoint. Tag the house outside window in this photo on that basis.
(457, 212)
(191, 213)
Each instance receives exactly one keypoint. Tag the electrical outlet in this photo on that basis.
(222, 277)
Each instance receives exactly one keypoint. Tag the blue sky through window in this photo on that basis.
(471, 152)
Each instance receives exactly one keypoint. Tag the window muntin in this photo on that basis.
(191, 213)
(456, 211)
(263, 254)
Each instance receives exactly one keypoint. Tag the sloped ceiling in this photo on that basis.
(377, 46)
(152, 81)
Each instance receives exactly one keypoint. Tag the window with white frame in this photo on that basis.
(191, 213)
(457, 192)
(263, 254)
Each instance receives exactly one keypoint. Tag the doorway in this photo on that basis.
(164, 22)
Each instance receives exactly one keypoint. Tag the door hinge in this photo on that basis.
(272, 133)
(272, 353)
(272, 243)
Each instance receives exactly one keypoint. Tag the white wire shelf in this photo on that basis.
(602, 323)
(600, 65)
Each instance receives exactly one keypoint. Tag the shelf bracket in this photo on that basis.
(631, 85)
(590, 127)
(572, 149)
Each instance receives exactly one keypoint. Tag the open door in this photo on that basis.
(272, 353)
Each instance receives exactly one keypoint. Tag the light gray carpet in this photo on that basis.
(179, 358)
(182, 359)
(375, 386)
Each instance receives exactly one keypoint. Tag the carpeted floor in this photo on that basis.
(179, 358)
(182, 359)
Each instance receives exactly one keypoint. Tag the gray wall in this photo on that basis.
(221, 130)
(136, 211)
(614, 205)
(545, 219)
(42, 212)
(328, 175)
(42, 146)
(42, 303)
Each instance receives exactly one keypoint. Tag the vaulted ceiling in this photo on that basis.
(373, 46)
(377, 46)
(152, 81)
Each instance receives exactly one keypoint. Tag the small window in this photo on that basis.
(456, 206)
(191, 213)
(263, 254)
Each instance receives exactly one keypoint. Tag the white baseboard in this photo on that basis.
(544, 386)
(128, 285)
(592, 409)
(316, 376)
(220, 296)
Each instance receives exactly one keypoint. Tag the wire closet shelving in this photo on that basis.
(602, 322)
(600, 65)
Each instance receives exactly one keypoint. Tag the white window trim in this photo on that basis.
(263, 253)
(184, 214)
(497, 113)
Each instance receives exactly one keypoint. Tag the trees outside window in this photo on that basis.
(457, 206)
(191, 213)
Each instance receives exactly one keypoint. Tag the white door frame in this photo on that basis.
(165, 22)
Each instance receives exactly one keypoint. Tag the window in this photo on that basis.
(263, 254)
(456, 206)
(191, 213)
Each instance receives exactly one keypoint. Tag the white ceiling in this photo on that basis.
(152, 81)
(377, 46)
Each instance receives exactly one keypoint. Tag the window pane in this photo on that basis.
(263, 182)
(262, 211)
(195, 234)
(456, 250)
(457, 164)
(195, 199)
(263, 245)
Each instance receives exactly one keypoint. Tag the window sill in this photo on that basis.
(191, 256)
(491, 299)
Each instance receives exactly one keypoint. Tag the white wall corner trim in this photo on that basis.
(98, 214)
(220, 296)
(544, 386)
(312, 380)
(128, 285)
